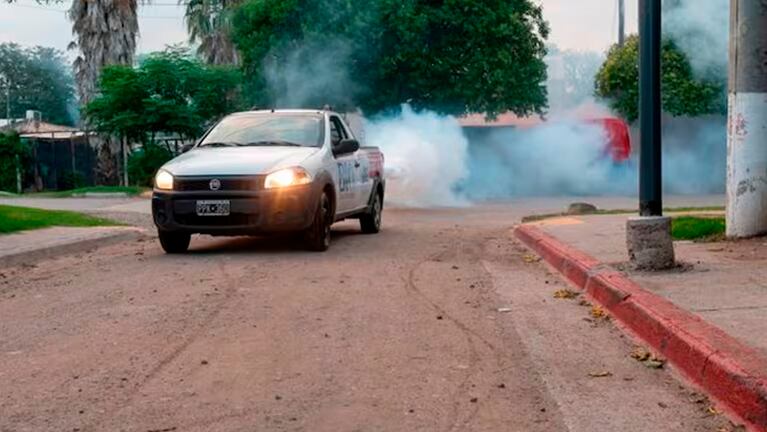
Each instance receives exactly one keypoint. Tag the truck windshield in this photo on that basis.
(268, 129)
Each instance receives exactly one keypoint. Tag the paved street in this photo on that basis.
(442, 322)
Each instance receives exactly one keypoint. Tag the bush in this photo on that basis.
(12, 156)
(144, 163)
(71, 180)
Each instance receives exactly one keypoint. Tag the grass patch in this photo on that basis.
(13, 219)
(128, 190)
(697, 228)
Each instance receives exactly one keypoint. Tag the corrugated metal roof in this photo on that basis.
(38, 127)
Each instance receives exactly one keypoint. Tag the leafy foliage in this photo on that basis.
(12, 155)
(39, 80)
(170, 92)
(105, 34)
(682, 93)
(144, 163)
(451, 57)
(208, 23)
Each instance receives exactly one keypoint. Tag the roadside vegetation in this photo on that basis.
(13, 219)
(128, 190)
(698, 228)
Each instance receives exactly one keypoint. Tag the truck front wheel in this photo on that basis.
(174, 242)
(318, 235)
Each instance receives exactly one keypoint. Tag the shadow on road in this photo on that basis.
(287, 244)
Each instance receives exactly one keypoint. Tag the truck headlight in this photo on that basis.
(287, 177)
(163, 180)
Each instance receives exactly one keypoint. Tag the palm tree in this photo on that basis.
(208, 23)
(105, 33)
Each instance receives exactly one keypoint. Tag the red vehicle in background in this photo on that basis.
(617, 147)
(618, 137)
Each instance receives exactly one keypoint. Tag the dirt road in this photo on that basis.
(440, 323)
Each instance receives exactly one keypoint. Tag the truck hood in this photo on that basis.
(237, 160)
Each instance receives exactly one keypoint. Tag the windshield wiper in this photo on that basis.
(219, 144)
(271, 143)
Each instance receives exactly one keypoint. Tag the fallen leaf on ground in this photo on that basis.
(529, 258)
(600, 374)
(713, 411)
(598, 312)
(640, 354)
(565, 294)
(655, 363)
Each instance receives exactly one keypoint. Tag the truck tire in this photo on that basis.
(174, 242)
(317, 237)
(370, 222)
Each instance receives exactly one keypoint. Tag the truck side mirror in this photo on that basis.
(187, 147)
(346, 146)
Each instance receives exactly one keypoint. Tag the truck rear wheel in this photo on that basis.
(370, 222)
(317, 237)
(174, 242)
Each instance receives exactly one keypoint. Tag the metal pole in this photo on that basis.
(621, 22)
(650, 177)
(747, 131)
(18, 175)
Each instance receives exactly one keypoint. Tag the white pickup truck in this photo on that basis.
(265, 172)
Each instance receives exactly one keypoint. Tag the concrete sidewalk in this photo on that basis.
(724, 283)
(28, 247)
(703, 317)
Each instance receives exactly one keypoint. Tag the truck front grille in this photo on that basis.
(202, 184)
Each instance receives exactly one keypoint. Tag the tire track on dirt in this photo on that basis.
(456, 423)
(230, 288)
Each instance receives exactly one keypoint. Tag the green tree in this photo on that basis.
(39, 80)
(452, 56)
(170, 92)
(682, 94)
(12, 157)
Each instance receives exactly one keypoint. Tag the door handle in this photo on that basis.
(356, 164)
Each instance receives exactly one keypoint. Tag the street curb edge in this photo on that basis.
(732, 373)
(37, 255)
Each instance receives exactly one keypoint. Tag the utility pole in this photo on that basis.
(747, 120)
(7, 81)
(648, 237)
(621, 22)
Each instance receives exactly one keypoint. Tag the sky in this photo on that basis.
(584, 25)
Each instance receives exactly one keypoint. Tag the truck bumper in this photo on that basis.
(252, 213)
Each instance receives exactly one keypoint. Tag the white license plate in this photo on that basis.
(213, 208)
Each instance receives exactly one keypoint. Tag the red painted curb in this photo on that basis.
(732, 373)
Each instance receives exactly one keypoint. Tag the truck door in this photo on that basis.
(346, 168)
(363, 184)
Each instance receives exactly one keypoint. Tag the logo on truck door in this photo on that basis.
(345, 175)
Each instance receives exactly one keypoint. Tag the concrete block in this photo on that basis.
(649, 242)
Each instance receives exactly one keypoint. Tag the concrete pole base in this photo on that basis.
(649, 242)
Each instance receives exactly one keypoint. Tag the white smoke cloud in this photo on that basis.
(701, 29)
(426, 157)
(311, 75)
